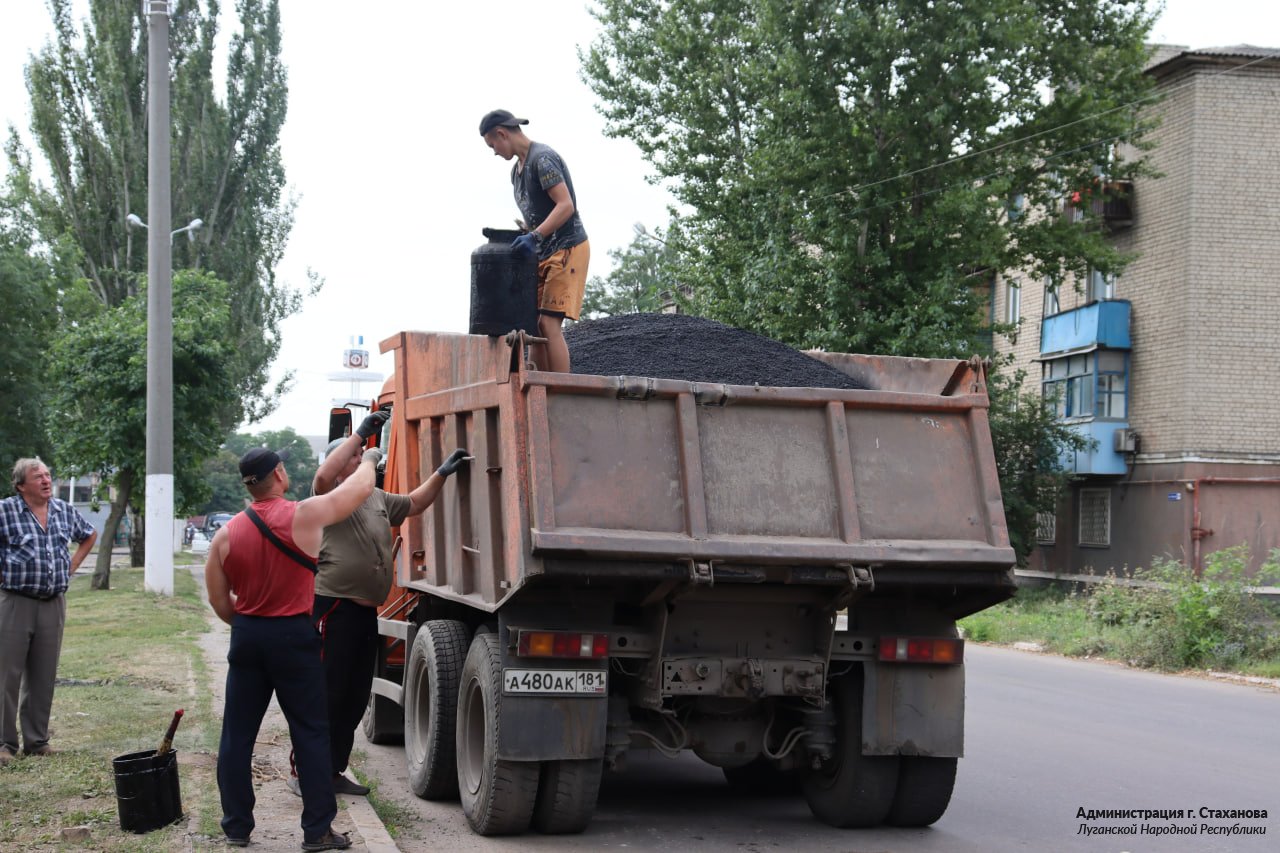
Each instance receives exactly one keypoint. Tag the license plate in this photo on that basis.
(587, 681)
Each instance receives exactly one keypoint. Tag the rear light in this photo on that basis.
(561, 644)
(921, 650)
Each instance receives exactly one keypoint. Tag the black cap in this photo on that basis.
(499, 118)
(258, 463)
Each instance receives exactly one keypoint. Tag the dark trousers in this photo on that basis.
(280, 655)
(349, 637)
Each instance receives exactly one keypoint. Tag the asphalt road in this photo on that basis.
(1046, 737)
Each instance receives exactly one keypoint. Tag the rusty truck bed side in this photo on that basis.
(604, 472)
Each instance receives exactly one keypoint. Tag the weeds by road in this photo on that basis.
(129, 660)
(1163, 619)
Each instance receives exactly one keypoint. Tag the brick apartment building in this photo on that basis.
(1174, 366)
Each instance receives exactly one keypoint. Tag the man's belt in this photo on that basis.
(31, 595)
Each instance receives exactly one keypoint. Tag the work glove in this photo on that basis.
(453, 463)
(526, 245)
(373, 455)
(372, 424)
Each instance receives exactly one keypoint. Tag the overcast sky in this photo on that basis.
(382, 150)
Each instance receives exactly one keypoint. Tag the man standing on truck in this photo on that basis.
(35, 571)
(354, 577)
(260, 575)
(553, 230)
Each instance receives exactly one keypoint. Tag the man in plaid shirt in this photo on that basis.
(35, 569)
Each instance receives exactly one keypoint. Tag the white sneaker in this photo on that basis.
(294, 786)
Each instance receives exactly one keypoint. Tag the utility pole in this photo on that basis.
(158, 573)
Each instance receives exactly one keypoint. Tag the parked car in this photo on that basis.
(214, 520)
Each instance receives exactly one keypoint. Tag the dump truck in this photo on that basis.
(769, 577)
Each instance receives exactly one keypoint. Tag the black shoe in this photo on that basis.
(237, 842)
(343, 785)
(329, 841)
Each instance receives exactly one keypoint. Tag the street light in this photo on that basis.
(191, 227)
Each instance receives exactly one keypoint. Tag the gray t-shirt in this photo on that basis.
(543, 169)
(355, 553)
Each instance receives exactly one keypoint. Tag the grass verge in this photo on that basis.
(129, 660)
(1163, 619)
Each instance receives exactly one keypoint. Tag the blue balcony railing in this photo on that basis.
(1104, 324)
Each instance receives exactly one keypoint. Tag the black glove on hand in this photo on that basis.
(526, 245)
(373, 454)
(372, 424)
(453, 463)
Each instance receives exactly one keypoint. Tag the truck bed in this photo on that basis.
(608, 476)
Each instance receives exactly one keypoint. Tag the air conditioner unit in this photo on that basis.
(1126, 441)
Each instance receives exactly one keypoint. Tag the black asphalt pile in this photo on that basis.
(678, 346)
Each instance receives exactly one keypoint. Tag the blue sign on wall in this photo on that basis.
(1175, 496)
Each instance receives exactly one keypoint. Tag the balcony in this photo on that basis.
(1111, 202)
(1102, 324)
(1101, 459)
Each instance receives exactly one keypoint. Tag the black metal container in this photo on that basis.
(147, 792)
(504, 287)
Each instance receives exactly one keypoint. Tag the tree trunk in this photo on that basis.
(102, 570)
(137, 538)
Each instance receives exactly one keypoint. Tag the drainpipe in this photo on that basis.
(1198, 532)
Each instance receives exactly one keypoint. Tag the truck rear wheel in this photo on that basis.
(924, 790)
(851, 789)
(567, 793)
(497, 796)
(431, 708)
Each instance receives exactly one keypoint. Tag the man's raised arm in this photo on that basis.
(319, 511)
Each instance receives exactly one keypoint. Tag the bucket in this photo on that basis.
(147, 794)
(504, 287)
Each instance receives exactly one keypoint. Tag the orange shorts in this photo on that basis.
(562, 280)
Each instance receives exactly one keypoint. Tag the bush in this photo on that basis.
(1179, 622)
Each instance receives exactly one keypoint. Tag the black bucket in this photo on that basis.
(504, 287)
(147, 794)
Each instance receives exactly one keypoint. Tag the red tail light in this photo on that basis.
(921, 650)
(561, 644)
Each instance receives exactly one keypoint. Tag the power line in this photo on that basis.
(1029, 137)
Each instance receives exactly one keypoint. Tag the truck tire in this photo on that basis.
(851, 789)
(762, 777)
(567, 792)
(431, 707)
(383, 720)
(497, 796)
(924, 790)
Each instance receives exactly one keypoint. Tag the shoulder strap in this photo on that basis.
(302, 560)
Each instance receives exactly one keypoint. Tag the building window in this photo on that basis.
(1101, 286)
(1112, 384)
(1091, 385)
(1046, 528)
(1013, 302)
(1051, 304)
(1095, 517)
(1069, 383)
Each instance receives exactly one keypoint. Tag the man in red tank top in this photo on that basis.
(260, 574)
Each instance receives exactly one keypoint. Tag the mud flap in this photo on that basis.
(915, 709)
(552, 728)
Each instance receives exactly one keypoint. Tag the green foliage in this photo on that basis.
(1029, 443)
(98, 375)
(222, 471)
(88, 100)
(642, 280)
(847, 169)
(1214, 622)
(26, 292)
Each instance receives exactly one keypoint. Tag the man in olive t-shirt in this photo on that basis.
(354, 576)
